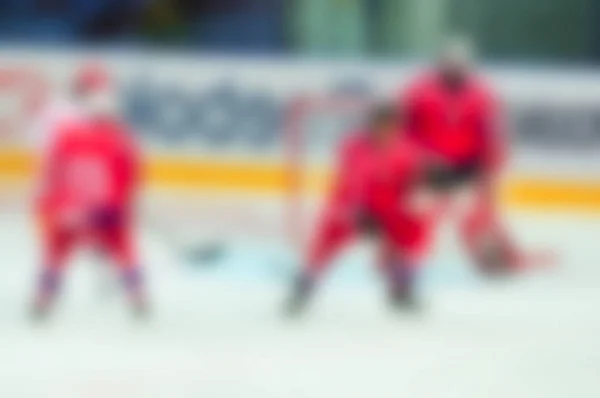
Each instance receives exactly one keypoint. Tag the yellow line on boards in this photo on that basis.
(519, 191)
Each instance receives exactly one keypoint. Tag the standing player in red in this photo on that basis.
(89, 182)
(379, 177)
(452, 113)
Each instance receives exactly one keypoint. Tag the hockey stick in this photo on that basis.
(205, 254)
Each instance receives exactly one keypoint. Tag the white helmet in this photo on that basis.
(94, 90)
(457, 55)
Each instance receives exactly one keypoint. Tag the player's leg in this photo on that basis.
(405, 244)
(57, 245)
(332, 235)
(400, 273)
(484, 237)
(113, 235)
(118, 242)
(474, 205)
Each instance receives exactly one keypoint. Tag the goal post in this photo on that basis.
(315, 126)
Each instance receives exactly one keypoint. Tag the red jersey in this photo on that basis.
(373, 181)
(91, 165)
(460, 126)
(370, 175)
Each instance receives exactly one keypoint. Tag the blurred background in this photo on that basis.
(383, 28)
(211, 89)
(535, 30)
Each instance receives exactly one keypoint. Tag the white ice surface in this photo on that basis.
(218, 333)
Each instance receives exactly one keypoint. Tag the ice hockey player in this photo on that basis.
(88, 184)
(380, 189)
(453, 113)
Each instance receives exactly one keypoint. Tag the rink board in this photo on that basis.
(222, 123)
(520, 190)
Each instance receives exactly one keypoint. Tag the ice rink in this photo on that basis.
(217, 332)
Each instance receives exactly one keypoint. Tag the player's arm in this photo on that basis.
(495, 142)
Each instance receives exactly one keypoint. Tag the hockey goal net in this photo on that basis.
(315, 128)
(306, 153)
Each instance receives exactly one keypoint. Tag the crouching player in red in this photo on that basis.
(89, 183)
(379, 190)
(452, 113)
